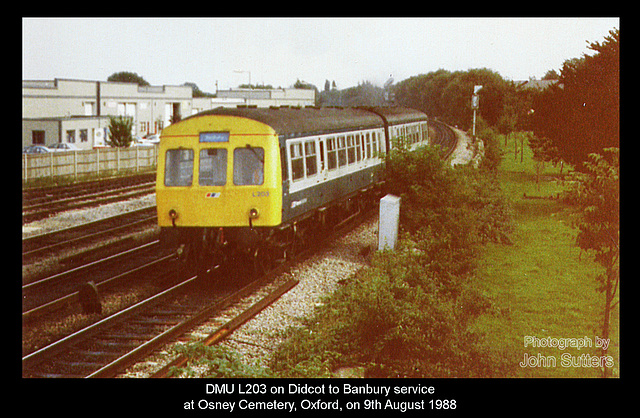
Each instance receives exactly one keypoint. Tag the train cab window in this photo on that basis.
(297, 163)
(332, 154)
(213, 167)
(310, 158)
(178, 168)
(248, 166)
(342, 152)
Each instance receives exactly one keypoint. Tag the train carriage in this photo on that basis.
(255, 179)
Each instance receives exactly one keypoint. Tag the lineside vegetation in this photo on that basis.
(408, 314)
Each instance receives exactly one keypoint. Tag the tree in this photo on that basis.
(597, 193)
(447, 95)
(581, 113)
(128, 77)
(196, 90)
(120, 131)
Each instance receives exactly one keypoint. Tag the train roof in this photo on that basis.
(303, 121)
(298, 121)
(395, 114)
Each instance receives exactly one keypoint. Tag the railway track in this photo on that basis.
(44, 202)
(60, 290)
(107, 347)
(445, 137)
(86, 233)
(35, 195)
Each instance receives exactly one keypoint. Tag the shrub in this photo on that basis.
(120, 131)
(408, 314)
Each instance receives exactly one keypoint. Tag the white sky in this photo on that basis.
(279, 51)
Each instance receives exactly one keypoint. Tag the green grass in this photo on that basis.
(542, 285)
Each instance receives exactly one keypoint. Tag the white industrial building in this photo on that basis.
(77, 111)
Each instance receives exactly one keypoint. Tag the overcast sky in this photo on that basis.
(279, 51)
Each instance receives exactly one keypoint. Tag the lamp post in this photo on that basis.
(248, 99)
(475, 104)
(244, 71)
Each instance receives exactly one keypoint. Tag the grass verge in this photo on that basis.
(542, 285)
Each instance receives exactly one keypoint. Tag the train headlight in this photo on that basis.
(173, 215)
(253, 215)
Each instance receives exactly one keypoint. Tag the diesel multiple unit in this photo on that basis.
(259, 180)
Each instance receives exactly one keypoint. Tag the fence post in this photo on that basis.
(75, 164)
(97, 161)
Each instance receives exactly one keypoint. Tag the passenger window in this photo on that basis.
(368, 146)
(213, 167)
(332, 154)
(342, 152)
(351, 149)
(374, 144)
(178, 167)
(248, 166)
(310, 158)
(297, 164)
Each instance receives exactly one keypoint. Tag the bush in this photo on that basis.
(463, 205)
(394, 322)
(493, 153)
(120, 131)
(408, 314)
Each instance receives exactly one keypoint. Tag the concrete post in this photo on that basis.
(388, 222)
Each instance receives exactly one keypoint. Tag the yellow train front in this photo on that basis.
(259, 181)
(218, 171)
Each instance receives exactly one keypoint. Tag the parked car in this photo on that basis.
(63, 146)
(138, 141)
(154, 138)
(35, 149)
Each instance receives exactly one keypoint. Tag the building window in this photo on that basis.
(84, 135)
(71, 136)
(37, 137)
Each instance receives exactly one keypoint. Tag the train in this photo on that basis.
(260, 183)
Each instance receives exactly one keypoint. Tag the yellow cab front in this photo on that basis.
(219, 171)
